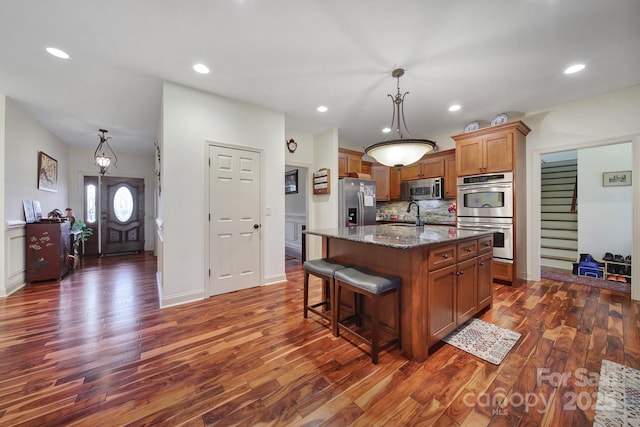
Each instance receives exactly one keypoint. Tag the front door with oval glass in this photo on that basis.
(122, 226)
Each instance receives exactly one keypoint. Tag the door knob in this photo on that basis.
(256, 226)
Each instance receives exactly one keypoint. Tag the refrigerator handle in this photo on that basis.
(360, 208)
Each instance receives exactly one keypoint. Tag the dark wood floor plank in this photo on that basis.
(96, 349)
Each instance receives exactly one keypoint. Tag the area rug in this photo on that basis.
(484, 340)
(618, 401)
(562, 276)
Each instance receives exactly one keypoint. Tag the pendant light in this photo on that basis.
(104, 155)
(400, 151)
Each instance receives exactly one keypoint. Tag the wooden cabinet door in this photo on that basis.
(485, 280)
(380, 175)
(441, 303)
(366, 167)
(502, 271)
(433, 167)
(47, 250)
(410, 172)
(354, 163)
(395, 189)
(466, 282)
(342, 165)
(498, 153)
(469, 158)
(450, 178)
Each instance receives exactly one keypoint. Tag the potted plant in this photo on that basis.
(79, 225)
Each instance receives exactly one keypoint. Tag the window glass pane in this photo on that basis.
(123, 204)
(91, 204)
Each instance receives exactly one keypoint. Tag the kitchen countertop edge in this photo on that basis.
(398, 236)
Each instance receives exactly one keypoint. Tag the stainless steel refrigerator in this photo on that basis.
(357, 202)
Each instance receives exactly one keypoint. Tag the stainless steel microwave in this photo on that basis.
(422, 189)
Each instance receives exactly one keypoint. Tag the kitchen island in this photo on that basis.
(446, 275)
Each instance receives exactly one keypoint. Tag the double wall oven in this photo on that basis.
(486, 202)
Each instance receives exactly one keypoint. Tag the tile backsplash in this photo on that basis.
(431, 211)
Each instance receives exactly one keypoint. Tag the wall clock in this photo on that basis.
(291, 145)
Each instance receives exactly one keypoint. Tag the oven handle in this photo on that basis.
(498, 227)
(483, 187)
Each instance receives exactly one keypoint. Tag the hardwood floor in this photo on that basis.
(95, 349)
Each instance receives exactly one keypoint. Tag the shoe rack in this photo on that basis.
(610, 268)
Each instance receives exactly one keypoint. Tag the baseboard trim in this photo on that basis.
(12, 288)
(280, 278)
(180, 299)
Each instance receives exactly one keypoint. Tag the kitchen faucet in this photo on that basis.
(418, 220)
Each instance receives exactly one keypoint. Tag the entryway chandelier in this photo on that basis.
(400, 151)
(104, 156)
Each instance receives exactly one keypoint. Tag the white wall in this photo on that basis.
(303, 157)
(130, 165)
(3, 250)
(604, 213)
(24, 139)
(325, 206)
(192, 119)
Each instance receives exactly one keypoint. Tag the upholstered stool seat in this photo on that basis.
(324, 269)
(364, 282)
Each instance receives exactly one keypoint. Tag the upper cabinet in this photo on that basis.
(435, 165)
(351, 162)
(489, 150)
(431, 166)
(409, 172)
(380, 174)
(394, 184)
(450, 176)
(342, 165)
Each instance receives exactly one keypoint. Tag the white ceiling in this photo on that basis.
(489, 56)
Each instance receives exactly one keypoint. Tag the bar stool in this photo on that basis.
(325, 269)
(364, 282)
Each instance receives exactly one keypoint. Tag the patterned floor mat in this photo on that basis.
(484, 340)
(618, 401)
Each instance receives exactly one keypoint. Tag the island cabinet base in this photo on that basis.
(443, 285)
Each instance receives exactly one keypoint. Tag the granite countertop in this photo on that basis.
(400, 236)
(388, 221)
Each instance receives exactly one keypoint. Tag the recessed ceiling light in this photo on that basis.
(455, 107)
(386, 130)
(201, 68)
(574, 68)
(322, 109)
(58, 53)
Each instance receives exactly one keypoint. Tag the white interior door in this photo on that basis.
(234, 226)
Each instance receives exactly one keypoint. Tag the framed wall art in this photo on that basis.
(291, 181)
(47, 172)
(616, 179)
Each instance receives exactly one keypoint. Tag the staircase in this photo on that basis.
(559, 215)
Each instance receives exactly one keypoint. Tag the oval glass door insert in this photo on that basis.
(123, 204)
